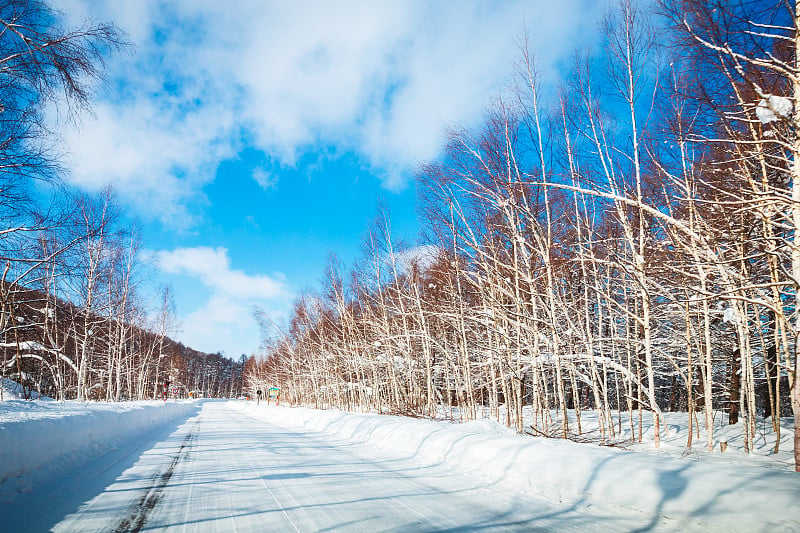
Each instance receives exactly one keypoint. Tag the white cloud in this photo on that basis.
(212, 267)
(225, 320)
(157, 157)
(265, 180)
(379, 78)
(423, 256)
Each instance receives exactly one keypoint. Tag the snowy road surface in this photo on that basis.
(223, 470)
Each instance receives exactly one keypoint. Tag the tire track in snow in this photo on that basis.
(153, 493)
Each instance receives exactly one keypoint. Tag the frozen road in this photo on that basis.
(223, 470)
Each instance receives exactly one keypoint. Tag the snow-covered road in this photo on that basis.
(224, 470)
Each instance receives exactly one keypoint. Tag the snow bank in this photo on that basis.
(694, 494)
(41, 436)
(11, 390)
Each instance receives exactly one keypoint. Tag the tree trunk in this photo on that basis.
(734, 385)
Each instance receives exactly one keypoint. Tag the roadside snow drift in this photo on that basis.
(11, 390)
(730, 497)
(45, 436)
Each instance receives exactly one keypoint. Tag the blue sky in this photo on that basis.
(253, 138)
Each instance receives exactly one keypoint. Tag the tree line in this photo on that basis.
(625, 244)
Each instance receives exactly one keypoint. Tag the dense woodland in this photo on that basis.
(42, 350)
(75, 321)
(625, 244)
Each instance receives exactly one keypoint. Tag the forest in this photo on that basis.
(623, 243)
(76, 318)
(125, 358)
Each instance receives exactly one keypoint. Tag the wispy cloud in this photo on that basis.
(225, 319)
(250, 220)
(423, 257)
(213, 268)
(265, 180)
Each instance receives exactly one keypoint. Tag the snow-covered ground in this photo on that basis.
(674, 436)
(675, 433)
(42, 438)
(734, 493)
(225, 465)
(11, 390)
